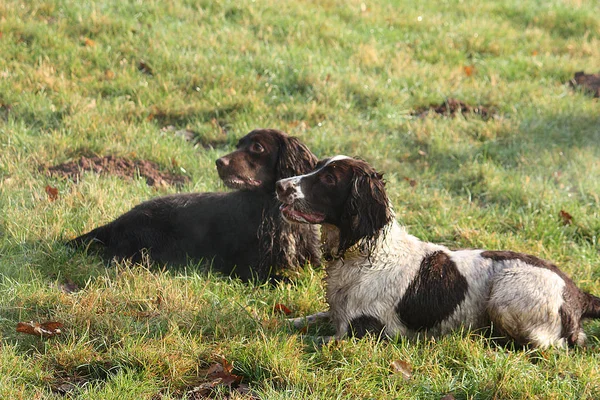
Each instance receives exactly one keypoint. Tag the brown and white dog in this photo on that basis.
(381, 279)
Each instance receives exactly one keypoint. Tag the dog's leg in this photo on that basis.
(301, 322)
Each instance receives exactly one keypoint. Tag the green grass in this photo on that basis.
(344, 76)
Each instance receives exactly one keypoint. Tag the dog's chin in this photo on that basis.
(241, 183)
(300, 217)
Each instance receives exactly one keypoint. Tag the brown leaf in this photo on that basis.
(109, 75)
(89, 42)
(565, 217)
(45, 329)
(410, 181)
(145, 68)
(469, 70)
(402, 368)
(282, 309)
(52, 192)
(220, 374)
(534, 53)
(448, 397)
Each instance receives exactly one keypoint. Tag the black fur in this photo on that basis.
(366, 211)
(241, 232)
(363, 325)
(434, 294)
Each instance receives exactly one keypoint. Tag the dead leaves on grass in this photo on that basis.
(219, 374)
(145, 68)
(565, 217)
(44, 329)
(281, 308)
(402, 369)
(52, 192)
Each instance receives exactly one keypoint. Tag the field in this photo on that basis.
(132, 79)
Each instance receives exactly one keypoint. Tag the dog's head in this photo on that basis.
(342, 191)
(263, 157)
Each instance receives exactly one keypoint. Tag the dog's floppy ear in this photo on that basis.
(367, 210)
(294, 158)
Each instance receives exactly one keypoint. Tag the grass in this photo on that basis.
(345, 77)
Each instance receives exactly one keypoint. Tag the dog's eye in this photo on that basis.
(329, 179)
(256, 148)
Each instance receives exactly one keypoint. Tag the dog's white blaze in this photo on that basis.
(294, 181)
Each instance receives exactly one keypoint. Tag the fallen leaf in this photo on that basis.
(220, 374)
(145, 68)
(410, 181)
(402, 368)
(282, 309)
(109, 75)
(45, 329)
(565, 217)
(52, 192)
(89, 42)
(469, 70)
(534, 53)
(422, 153)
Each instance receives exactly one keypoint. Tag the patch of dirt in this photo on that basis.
(590, 83)
(452, 106)
(118, 166)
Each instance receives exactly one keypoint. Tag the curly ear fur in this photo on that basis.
(366, 212)
(294, 158)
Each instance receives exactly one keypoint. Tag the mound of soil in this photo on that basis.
(122, 167)
(452, 106)
(590, 83)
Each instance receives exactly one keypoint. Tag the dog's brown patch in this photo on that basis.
(452, 106)
(434, 294)
(118, 166)
(590, 83)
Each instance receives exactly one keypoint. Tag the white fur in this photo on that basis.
(523, 300)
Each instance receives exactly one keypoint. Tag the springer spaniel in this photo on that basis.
(381, 279)
(242, 232)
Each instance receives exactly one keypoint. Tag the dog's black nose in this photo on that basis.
(221, 162)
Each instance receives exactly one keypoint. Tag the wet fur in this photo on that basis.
(240, 232)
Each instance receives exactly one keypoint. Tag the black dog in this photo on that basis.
(241, 232)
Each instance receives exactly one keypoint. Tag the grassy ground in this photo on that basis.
(345, 77)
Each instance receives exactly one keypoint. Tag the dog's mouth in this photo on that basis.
(238, 182)
(303, 217)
